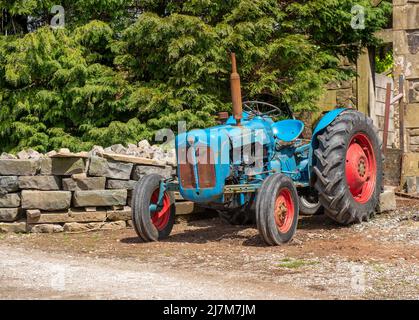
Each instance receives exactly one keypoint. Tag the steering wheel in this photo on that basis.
(262, 109)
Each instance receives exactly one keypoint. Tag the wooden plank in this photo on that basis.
(364, 74)
(387, 118)
(70, 155)
(133, 159)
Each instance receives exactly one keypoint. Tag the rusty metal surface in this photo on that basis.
(387, 117)
(206, 167)
(236, 95)
(186, 174)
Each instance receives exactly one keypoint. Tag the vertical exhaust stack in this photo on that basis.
(236, 94)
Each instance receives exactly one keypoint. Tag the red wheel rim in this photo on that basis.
(284, 211)
(160, 218)
(361, 168)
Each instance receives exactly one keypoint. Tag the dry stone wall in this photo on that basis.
(75, 192)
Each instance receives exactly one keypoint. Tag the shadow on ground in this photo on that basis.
(215, 230)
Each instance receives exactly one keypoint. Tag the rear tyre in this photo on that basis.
(348, 168)
(277, 210)
(152, 225)
(309, 204)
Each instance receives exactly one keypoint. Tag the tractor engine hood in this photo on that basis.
(203, 164)
(204, 156)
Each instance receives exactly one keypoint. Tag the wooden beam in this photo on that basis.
(387, 117)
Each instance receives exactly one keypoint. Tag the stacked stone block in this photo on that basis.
(71, 192)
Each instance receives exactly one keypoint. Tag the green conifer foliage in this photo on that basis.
(120, 70)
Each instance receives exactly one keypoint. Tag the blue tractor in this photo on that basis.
(253, 168)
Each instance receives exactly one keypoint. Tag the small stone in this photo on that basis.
(9, 214)
(97, 150)
(44, 183)
(8, 184)
(82, 227)
(23, 155)
(143, 144)
(387, 201)
(33, 214)
(17, 227)
(10, 200)
(130, 224)
(99, 198)
(46, 228)
(46, 200)
(79, 176)
(64, 150)
(91, 183)
(121, 184)
(18, 167)
(119, 148)
(33, 154)
(51, 153)
(119, 215)
(115, 225)
(7, 156)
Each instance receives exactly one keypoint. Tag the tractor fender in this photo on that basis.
(327, 119)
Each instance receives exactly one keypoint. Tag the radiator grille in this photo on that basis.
(205, 167)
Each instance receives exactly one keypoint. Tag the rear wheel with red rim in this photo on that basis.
(153, 221)
(277, 209)
(348, 168)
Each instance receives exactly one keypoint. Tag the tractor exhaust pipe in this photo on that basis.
(236, 94)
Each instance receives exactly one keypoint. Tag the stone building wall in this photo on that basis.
(406, 54)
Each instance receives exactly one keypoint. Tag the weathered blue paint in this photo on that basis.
(288, 130)
(283, 153)
(327, 119)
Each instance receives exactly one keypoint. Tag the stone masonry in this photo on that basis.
(406, 55)
(75, 192)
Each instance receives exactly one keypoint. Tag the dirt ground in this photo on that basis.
(207, 259)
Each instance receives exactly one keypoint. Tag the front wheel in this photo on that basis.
(151, 221)
(277, 210)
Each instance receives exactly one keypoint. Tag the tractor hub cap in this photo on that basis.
(161, 216)
(361, 168)
(284, 211)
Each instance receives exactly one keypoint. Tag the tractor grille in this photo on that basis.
(205, 167)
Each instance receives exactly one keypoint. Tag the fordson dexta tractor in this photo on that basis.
(253, 166)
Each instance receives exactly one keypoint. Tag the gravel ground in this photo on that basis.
(207, 259)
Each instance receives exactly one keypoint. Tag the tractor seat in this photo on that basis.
(288, 130)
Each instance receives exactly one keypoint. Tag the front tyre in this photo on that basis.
(277, 210)
(348, 165)
(152, 224)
